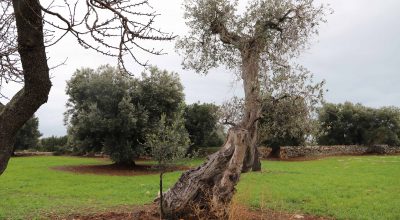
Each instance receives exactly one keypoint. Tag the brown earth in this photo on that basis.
(116, 170)
(150, 212)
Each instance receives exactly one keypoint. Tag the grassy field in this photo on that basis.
(341, 187)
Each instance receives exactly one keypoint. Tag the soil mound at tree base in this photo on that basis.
(116, 170)
(150, 212)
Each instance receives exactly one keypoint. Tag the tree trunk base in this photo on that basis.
(207, 190)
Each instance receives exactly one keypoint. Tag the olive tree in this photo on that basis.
(112, 113)
(289, 100)
(266, 36)
(27, 27)
(201, 121)
(168, 142)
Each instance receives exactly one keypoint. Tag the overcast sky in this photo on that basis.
(357, 53)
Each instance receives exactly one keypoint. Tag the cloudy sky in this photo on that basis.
(357, 53)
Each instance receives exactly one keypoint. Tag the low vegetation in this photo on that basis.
(340, 187)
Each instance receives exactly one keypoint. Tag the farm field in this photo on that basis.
(339, 187)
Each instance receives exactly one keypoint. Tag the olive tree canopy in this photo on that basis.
(218, 34)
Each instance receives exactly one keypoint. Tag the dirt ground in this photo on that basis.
(150, 212)
(116, 170)
(139, 169)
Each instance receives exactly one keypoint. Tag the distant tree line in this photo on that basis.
(289, 124)
(111, 113)
(348, 123)
(53, 144)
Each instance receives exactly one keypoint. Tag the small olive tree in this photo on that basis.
(168, 142)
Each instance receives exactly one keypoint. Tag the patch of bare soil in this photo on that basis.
(150, 212)
(241, 212)
(147, 212)
(116, 170)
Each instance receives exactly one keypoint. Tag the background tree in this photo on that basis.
(201, 121)
(265, 37)
(386, 127)
(28, 136)
(348, 124)
(290, 99)
(53, 143)
(289, 105)
(168, 142)
(94, 107)
(25, 33)
(112, 113)
(159, 92)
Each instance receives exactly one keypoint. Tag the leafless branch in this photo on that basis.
(115, 28)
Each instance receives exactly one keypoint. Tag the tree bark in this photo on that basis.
(161, 195)
(208, 190)
(37, 83)
(252, 108)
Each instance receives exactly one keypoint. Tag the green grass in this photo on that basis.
(341, 187)
(29, 188)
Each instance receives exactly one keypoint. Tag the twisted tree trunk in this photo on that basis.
(37, 85)
(208, 189)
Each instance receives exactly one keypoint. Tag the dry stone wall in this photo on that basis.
(337, 150)
(264, 152)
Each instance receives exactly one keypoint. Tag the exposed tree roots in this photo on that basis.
(210, 187)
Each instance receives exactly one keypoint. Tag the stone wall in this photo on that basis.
(337, 150)
(264, 152)
(31, 153)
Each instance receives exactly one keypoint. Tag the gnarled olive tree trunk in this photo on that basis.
(278, 28)
(37, 85)
(210, 187)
